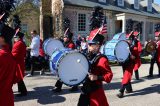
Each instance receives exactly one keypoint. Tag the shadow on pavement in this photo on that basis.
(152, 89)
(43, 95)
(112, 86)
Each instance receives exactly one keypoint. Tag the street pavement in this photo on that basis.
(146, 91)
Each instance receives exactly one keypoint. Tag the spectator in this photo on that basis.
(78, 42)
(34, 51)
(83, 47)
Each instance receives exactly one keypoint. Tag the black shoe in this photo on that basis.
(57, 90)
(150, 76)
(75, 88)
(158, 75)
(120, 95)
(128, 91)
(21, 94)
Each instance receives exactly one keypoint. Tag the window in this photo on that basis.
(120, 2)
(81, 22)
(149, 6)
(102, 1)
(136, 4)
(57, 23)
(24, 28)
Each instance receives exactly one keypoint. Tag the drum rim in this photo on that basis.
(115, 51)
(86, 75)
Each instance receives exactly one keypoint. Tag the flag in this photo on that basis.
(103, 28)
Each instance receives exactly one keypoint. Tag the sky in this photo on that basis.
(157, 1)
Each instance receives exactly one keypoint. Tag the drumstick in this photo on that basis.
(2, 16)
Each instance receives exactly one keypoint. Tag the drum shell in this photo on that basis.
(56, 56)
(44, 45)
(120, 36)
(110, 50)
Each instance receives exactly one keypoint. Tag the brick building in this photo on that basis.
(116, 11)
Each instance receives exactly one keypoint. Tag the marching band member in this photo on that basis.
(34, 47)
(128, 67)
(138, 46)
(19, 54)
(68, 43)
(156, 55)
(9, 71)
(92, 91)
(42, 58)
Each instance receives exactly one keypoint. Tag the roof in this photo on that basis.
(108, 6)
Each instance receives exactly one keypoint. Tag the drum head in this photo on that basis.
(122, 51)
(73, 68)
(52, 45)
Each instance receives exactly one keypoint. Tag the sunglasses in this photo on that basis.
(90, 44)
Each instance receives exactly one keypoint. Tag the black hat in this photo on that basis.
(19, 35)
(6, 32)
(68, 34)
(95, 37)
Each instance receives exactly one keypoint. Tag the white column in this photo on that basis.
(41, 25)
(144, 34)
(124, 24)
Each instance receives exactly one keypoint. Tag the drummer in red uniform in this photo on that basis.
(128, 67)
(138, 47)
(156, 55)
(92, 91)
(19, 54)
(9, 71)
(68, 43)
(42, 58)
(157, 37)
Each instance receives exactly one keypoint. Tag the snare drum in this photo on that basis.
(120, 36)
(117, 50)
(50, 45)
(71, 66)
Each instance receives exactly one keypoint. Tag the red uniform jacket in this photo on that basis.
(102, 68)
(41, 51)
(8, 69)
(158, 52)
(19, 54)
(129, 67)
(70, 45)
(137, 48)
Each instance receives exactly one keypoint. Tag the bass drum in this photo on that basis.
(71, 66)
(50, 45)
(117, 50)
(120, 36)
